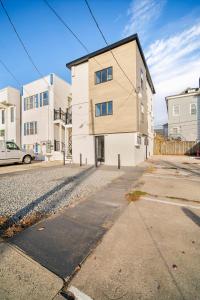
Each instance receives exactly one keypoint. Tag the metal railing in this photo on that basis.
(59, 115)
(66, 117)
(57, 146)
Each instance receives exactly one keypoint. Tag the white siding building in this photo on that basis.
(184, 115)
(10, 115)
(46, 122)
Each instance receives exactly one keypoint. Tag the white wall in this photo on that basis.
(11, 96)
(82, 142)
(119, 143)
(125, 145)
(62, 91)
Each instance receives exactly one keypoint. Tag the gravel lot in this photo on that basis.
(50, 189)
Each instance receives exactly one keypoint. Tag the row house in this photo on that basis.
(46, 117)
(184, 115)
(10, 124)
(111, 119)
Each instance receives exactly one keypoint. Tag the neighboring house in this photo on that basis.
(10, 115)
(109, 117)
(184, 115)
(46, 118)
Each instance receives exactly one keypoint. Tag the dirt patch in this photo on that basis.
(150, 169)
(8, 231)
(135, 195)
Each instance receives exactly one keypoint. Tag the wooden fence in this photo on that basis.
(165, 147)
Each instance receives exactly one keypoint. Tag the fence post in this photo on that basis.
(119, 162)
(64, 157)
(80, 159)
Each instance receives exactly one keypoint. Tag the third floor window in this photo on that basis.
(37, 100)
(104, 75)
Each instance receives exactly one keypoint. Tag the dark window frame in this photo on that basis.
(101, 104)
(100, 71)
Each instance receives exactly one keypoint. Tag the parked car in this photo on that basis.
(11, 153)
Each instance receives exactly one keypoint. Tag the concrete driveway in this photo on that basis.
(153, 250)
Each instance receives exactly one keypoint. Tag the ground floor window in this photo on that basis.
(2, 133)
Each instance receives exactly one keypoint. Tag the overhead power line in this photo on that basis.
(76, 37)
(11, 74)
(64, 23)
(106, 42)
(21, 41)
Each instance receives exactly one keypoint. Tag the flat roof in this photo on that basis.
(126, 40)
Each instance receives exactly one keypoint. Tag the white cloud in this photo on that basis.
(174, 65)
(142, 14)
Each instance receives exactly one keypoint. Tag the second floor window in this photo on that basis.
(30, 128)
(104, 75)
(104, 109)
(176, 110)
(12, 114)
(193, 109)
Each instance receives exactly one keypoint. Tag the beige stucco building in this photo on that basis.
(112, 111)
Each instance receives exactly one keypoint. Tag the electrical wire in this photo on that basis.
(106, 42)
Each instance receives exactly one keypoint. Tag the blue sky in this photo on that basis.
(169, 32)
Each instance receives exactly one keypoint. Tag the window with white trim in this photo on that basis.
(30, 128)
(33, 101)
(175, 130)
(176, 109)
(193, 109)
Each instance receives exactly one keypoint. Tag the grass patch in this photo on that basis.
(9, 231)
(135, 195)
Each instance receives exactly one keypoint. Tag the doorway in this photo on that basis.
(99, 149)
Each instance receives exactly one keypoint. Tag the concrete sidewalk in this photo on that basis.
(21, 278)
(62, 242)
(151, 252)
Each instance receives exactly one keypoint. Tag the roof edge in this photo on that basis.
(133, 37)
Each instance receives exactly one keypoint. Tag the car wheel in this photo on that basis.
(27, 159)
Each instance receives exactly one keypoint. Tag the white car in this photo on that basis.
(11, 153)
